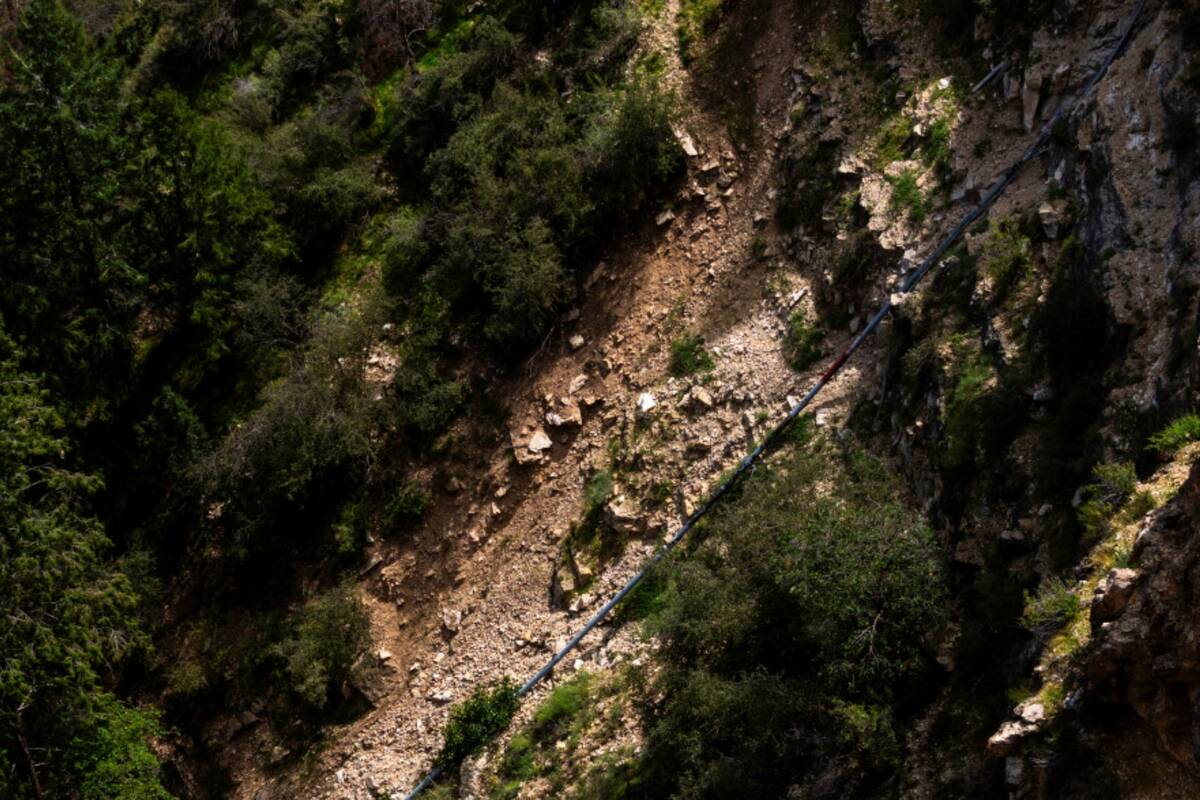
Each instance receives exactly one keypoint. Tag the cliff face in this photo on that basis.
(1146, 646)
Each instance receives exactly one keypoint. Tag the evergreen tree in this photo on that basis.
(66, 619)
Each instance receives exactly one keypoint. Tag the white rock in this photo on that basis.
(664, 217)
(646, 403)
(451, 619)
(577, 342)
(538, 442)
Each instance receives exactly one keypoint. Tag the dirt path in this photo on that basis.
(468, 598)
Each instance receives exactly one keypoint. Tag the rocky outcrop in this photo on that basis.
(1146, 650)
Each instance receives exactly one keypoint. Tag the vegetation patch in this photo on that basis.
(803, 341)
(907, 196)
(689, 356)
(477, 720)
(1181, 432)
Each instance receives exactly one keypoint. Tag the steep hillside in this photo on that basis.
(356, 351)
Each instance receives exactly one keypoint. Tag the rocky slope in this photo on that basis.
(815, 210)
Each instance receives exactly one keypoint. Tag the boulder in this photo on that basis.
(624, 517)
(1009, 737)
(1113, 595)
(700, 399)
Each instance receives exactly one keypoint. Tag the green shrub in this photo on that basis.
(803, 341)
(936, 152)
(1113, 483)
(598, 490)
(111, 756)
(891, 139)
(688, 355)
(907, 196)
(629, 148)
(979, 414)
(408, 504)
(1182, 431)
(1006, 254)
(797, 602)
(1053, 603)
(758, 248)
(330, 633)
(477, 720)
(697, 18)
(519, 764)
(404, 252)
(556, 713)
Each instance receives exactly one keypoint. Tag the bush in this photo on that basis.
(1053, 603)
(405, 250)
(408, 504)
(330, 633)
(1006, 254)
(598, 490)
(688, 355)
(111, 756)
(1111, 486)
(289, 462)
(697, 18)
(803, 341)
(786, 633)
(979, 414)
(632, 153)
(556, 712)
(1182, 431)
(477, 720)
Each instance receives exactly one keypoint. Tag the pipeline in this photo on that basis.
(1063, 111)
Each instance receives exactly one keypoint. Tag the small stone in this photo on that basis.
(1031, 712)
(664, 217)
(451, 619)
(700, 399)
(538, 442)
(623, 517)
(576, 342)
(1048, 216)
(384, 654)
(577, 383)
(1014, 770)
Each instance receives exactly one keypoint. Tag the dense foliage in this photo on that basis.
(217, 222)
(793, 634)
(69, 618)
